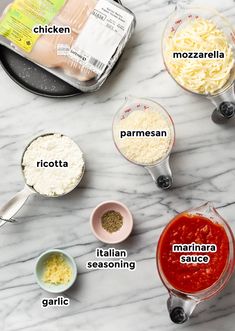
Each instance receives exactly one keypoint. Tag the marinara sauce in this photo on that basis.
(188, 229)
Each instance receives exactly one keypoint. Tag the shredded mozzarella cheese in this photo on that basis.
(204, 76)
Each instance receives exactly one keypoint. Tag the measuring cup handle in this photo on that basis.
(12, 207)
(180, 308)
(224, 112)
(225, 106)
(162, 174)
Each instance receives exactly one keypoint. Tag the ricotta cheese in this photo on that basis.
(53, 181)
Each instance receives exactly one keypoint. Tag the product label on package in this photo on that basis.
(23, 15)
(118, 262)
(102, 34)
(63, 49)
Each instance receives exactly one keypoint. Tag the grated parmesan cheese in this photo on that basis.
(57, 270)
(204, 76)
(145, 150)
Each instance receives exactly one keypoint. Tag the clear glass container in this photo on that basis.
(160, 171)
(181, 304)
(224, 98)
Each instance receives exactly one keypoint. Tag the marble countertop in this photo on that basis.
(203, 164)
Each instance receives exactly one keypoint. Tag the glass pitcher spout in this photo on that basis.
(131, 102)
(161, 174)
(207, 210)
(132, 99)
(182, 4)
(180, 308)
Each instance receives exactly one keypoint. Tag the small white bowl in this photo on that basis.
(40, 267)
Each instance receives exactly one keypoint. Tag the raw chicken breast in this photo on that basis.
(77, 71)
(76, 12)
(44, 51)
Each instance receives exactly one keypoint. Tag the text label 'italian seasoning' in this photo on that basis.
(119, 263)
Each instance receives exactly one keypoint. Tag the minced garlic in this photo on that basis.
(57, 270)
(147, 150)
(199, 75)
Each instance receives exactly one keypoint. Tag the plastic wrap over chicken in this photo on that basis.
(77, 40)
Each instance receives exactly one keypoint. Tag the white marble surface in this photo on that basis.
(203, 167)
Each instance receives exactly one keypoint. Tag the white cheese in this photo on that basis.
(53, 181)
(204, 76)
(144, 150)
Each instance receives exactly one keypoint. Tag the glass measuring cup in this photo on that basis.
(224, 98)
(160, 170)
(181, 303)
(12, 207)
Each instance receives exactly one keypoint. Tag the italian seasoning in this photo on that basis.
(112, 221)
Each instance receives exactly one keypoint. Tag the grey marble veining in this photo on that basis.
(203, 164)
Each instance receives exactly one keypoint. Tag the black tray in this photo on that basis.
(34, 78)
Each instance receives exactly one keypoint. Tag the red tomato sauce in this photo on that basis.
(188, 229)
